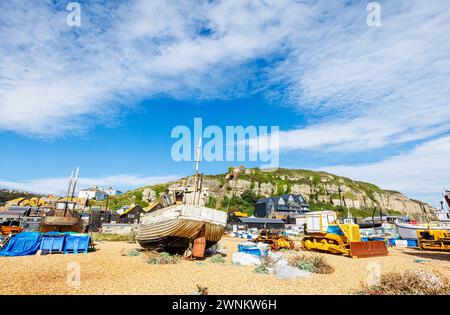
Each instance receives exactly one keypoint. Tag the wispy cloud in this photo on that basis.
(345, 75)
(60, 184)
(422, 173)
(360, 88)
(366, 88)
(56, 80)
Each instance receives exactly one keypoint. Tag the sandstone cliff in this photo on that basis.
(322, 190)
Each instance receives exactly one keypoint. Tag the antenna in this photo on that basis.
(197, 161)
(70, 184)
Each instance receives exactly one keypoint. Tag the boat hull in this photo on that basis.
(409, 231)
(177, 226)
(62, 224)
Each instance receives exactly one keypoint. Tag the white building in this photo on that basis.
(113, 192)
(92, 193)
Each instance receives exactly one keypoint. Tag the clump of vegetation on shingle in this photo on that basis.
(217, 259)
(313, 263)
(262, 269)
(409, 282)
(133, 253)
(163, 258)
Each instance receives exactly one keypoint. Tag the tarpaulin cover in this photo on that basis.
(22, 244)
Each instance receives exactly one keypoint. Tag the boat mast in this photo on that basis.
(68, 193)
(75, 184)
(197, 161)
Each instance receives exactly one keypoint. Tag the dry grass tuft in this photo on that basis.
(262, 269)
(410, 282)
(217, 259)
(101, 237)
(162, 258)
(202, 290)
(133, 253)
(313, 263)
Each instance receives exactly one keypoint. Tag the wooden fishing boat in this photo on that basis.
(177, 226)
(62, 224)
(64, 218)
(183, 220)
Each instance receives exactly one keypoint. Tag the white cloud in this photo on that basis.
(55, 79)
(60, 184)
(360, 88)
(366, 88)
(346, 76)
(423, 172)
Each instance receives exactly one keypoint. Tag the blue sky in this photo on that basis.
(370, 103)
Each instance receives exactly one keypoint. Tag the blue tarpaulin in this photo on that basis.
(22, 244)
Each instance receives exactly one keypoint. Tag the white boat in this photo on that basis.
(409, 231)
(443, 215)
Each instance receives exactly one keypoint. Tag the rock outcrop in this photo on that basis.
(322, 188)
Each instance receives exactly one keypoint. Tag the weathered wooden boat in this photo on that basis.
(64, 218)
(177, 226)
(183, 219)
(62, 224)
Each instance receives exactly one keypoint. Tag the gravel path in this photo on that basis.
(109, 271)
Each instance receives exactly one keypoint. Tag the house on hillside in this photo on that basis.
(113, 192)
(286, 206)
(92, 193)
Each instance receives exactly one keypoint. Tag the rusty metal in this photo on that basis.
(275, 240)
(198, 250)
(368, 249)
(6, 229)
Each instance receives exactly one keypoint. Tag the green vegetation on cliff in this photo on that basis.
(277, 182)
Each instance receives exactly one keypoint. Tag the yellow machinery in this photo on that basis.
(343, 239)
(240, 214)
(434, 239)
(275, 240)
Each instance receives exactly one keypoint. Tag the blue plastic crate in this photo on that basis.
(412, 243)
(52, 243)
(252, 250)
(392, 241)
(76, 243)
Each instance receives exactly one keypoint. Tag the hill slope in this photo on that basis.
(321, 190)
(7, 194)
